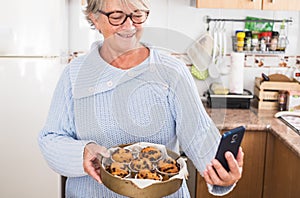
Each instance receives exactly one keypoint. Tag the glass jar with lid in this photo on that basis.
(254, 42)
(282, 100)
(274, 41)
(267, 37)
(282, 40)
(240, 41)
(262, 42)
(247, 42)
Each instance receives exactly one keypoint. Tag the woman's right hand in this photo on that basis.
(91, 163)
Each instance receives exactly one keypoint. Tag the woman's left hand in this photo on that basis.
(216, 174)
(91, 163)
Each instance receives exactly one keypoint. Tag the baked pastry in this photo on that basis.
(150, 152)
(122, 155)
(141, 163)
(148, 174)
(118, 169)
(168, 165)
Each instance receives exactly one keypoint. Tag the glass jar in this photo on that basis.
(282, 100)
(247, 41)
(274, 41)
(282, 40)
(263, 45)
(267, 38)
(254, 43)
(240, 41)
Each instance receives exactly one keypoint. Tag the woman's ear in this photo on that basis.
(94, 19)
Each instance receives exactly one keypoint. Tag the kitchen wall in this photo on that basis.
(174, 25)
(185, 23)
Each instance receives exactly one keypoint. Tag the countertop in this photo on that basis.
(256, 120)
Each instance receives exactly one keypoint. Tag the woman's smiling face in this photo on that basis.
(121, 37)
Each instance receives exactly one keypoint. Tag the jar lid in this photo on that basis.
(275, 33)
(248, 34)
(266, 34)
(241, 34)
(237, 31)
(255, 36)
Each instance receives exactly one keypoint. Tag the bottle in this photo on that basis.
(282, 39)
(255, 43)
(282, 100)
(247, 41)
(274, 41)
(263, 45)
(266, 36)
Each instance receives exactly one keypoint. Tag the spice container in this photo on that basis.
(282, 40)
(274, 41)
(240, 41)
(247, 41)
(282, 100)
(267, 37)
(263, 45)
(254, 43)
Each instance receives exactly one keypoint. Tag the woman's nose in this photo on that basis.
(128, 23)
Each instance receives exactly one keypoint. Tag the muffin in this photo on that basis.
(118, 169)
(148, 174)
(168, 165)
(141, 163)
(150, 152)
(122, 155)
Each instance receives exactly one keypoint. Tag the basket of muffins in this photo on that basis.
(143, 170)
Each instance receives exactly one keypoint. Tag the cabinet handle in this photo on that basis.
(253, 0)
(272, 1)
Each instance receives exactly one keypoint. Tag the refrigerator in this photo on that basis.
(33, 53)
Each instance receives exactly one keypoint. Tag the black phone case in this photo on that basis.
(230, 141)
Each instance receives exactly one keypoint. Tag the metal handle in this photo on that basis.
(272, 1)
(253, 1)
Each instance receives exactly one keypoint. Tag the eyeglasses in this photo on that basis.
(118, 17)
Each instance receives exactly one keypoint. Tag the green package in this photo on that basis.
(258, 26)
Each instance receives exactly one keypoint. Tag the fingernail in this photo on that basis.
(227, 154)
(209, 167)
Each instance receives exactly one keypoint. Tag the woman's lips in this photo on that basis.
(126, 34)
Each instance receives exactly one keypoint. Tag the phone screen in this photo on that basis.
(230, 141)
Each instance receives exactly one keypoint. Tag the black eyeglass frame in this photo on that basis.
(107, 14)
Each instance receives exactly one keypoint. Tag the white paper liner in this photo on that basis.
(143, 183)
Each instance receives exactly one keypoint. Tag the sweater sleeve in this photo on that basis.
(196, 132)
(57, 140)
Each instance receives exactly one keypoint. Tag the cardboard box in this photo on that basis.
(293, 101)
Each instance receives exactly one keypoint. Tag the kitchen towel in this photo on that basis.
(236, 77)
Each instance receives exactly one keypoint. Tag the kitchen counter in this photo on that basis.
(256, 120)
(272, 154)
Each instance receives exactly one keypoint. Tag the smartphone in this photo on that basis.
(230, 141)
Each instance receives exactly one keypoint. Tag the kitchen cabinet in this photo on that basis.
(282, 172)
(281, 5)
(251, 183)
(230, 4)
(250, 4)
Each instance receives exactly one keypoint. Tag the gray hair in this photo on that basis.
(93, 6)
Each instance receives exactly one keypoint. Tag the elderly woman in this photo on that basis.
(124, 91)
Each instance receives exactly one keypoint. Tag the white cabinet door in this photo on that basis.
(33, 27)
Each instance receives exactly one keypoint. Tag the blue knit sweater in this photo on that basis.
(156, 101)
